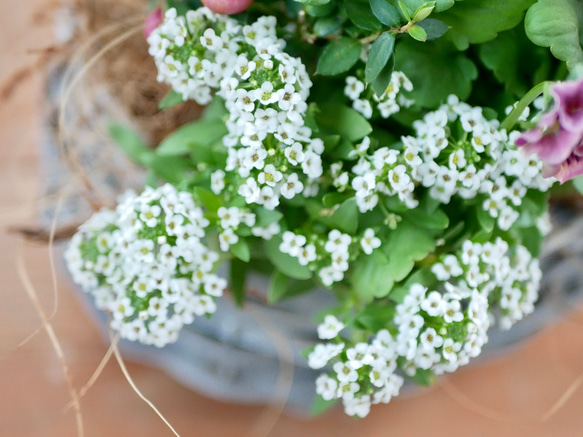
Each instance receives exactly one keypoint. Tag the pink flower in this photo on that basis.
(558, 137)
(153, 20)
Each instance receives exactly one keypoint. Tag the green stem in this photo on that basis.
(522, 104)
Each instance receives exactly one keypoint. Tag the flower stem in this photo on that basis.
(522, 104)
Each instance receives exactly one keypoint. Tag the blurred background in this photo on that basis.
(532, 389)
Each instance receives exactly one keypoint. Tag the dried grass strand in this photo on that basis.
(97, 372)
(31, 292)
(89, 192)
(125, 372)
(268, 419)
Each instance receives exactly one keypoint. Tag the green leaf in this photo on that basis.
(407, 243)
(241, 250)
(578, 184)
(193, 137)
(382, 81)
(423, 12)
(282, 287)
(434, 28)
(435, 220)
(327, 25)
(440, 5)
(345, 217)
(374, 317)
(478, 21)
(286, 264)
(344, 121)
(385, 13)
(130, 142)
(557, 24)
(171, 99)
(338, 56)
(313, 2)
(485, 220)
(360, 13)
(371, 276)
(209, 200)
(320, 406)
(380, 52)
(238, 274)
(417, 33)
(214, 110)
(170, 168)
(424, 377)
(421, 62)
(265, 217)
(511, 57)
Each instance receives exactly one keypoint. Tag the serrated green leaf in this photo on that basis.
(193, 137)
(286, 264)
(385, 12)
(434, 28)
(478, 21)
(171, 99)
(241, 250)
(238, 274)
(338, 56)
(360, 13)
(380, 52)
(417, 33)
(344, 121)
(420, 61)
(130, 142)
(556, 24)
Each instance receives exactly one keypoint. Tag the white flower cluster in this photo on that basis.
(337, 250)
(265, 91)
(432, 330)
(508, 276)
(368, 369)
(436, 332)
(229, 221)
(146, 264)
(389, 103)
(479, 164)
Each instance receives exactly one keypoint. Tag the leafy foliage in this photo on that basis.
(557, 24)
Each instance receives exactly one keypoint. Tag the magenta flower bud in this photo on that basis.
(558, 137)
(227, 7)
(153, 20)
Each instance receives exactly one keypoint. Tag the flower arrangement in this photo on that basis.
(383, 150)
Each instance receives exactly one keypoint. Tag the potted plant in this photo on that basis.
(391, 158)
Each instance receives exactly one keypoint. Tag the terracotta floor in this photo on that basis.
(505, 397)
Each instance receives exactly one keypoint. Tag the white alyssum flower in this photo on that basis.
(152, 285)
